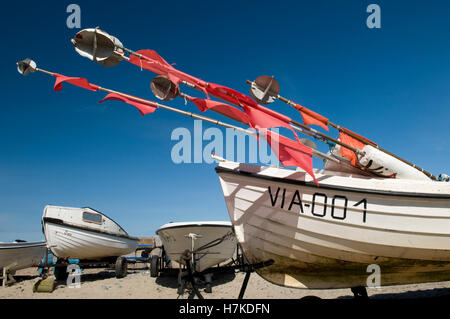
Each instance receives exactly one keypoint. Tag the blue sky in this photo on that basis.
(391, 85)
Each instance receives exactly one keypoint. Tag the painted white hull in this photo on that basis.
(175, 242)
(17, 256)
(67, 242)
(69, 235)
(401, 226)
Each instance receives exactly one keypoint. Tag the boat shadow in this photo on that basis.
(91, 277)
(20, 278)
(432, 293)
(169, 279)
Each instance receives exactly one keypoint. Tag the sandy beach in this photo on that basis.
(138, 284)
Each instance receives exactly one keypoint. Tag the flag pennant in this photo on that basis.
(291, 153)
(221, 108)
(230, 95)
(174, 78)
(347, 139)
(311, 117)
(153, 62)
(81, 82)
(261, 117)
(144, 108)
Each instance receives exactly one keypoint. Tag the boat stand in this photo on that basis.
(360, 293)
(191, 277)
(249, 268)
(7, 276)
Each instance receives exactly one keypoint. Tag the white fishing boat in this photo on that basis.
(321, 228)
(19, 255)
(327, 236)
(211, 242)
(85, 234)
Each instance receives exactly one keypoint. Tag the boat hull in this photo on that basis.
(175, 241)
(341, 234)
(85, 234)
(68, 242)
(16, 256)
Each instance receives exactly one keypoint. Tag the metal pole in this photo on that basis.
(341, 129)
(193, 115)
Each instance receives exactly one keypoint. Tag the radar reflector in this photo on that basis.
(308, 143)
(163, 88)
(26, 66)
(98, 46)
(265, 89)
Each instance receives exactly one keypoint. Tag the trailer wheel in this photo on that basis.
(60, 272)
(121, 267)
(154, 266)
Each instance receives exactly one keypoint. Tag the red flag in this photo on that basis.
(230, 95)
(221, 108)
(152, 62)
(261, 117)
(81, 82)
(311, 117)
(174, 78)
(144, 108)
(291, 153)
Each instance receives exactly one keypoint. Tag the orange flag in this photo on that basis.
(312, 118)
(353, 142)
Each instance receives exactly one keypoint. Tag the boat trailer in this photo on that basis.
(243, 266)
(119, 264)
(160, 263)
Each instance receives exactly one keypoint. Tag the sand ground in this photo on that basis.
(101, 283)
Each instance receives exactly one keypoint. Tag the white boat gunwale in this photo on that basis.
(285, 180)
(57, 221)
(30, 245)
(193, 224)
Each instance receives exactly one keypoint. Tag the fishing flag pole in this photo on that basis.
(28, 66)
(266, 90)
(100, 47)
